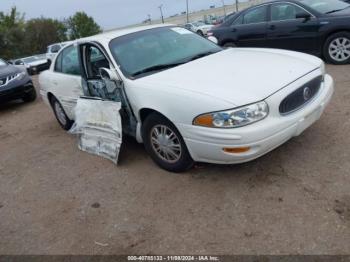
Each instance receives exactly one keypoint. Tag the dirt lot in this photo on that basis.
(55, 199)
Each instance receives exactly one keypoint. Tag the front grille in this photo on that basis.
(301, 96)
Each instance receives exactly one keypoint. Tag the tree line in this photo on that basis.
(20, 37)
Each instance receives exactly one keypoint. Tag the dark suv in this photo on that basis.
(15, 83)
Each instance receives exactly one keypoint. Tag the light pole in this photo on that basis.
(223, 4)
(236, 5)
(188, 19)
(161, 12)
(149, 19)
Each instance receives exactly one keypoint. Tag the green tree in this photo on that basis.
(41, 32)
(11, 33)
(81, 25)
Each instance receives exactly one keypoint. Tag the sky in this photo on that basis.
(108, 14)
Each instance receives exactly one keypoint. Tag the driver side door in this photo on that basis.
(95, 63)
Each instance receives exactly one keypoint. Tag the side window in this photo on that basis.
(257, 15)
(95, 60)
(285, 11)
(55, 48)
(238, 21)
(67, 61)
(58, 63)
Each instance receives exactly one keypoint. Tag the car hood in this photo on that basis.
(205, 26)
(237, 76)
(8, 70)
(37, 62)
(345, 12)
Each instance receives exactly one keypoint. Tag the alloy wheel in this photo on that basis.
(339, 49)
(165, 143)
(61, 116)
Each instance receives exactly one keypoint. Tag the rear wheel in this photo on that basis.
(165, 144)
(60, 114)
(30, 97)
(229, 45)
(336, 49)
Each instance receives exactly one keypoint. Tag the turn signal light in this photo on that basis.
(204, 120)
(237, 150)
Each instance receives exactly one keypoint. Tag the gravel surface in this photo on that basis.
(55, 199)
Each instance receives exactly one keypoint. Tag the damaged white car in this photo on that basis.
(186, 98)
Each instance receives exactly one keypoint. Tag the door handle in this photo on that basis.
(233, 30)
(272, 27)
(55, 83)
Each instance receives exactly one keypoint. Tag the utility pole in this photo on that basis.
(188, 19)
(149, 19)
(236, 5)
(161, 12)
(223, 4)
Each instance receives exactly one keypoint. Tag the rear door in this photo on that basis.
(65, 80)
(250, 28)
(286, 31)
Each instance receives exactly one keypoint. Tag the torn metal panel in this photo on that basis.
(98, 126)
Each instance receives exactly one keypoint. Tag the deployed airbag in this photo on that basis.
(98, 126)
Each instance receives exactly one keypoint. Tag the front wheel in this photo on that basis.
(165, 144)
(30, 96)
(336, 49)
(61, 116)
(200, 32)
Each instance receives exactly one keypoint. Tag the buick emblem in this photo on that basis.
(307, 93)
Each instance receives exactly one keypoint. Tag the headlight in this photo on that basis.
(237, 117)
(323, 69)
(21, 75)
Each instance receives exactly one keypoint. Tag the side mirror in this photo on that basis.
(305, 16)
(213, 39)
(109, 74)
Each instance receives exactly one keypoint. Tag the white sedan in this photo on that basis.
(199, 28)
(186, 98)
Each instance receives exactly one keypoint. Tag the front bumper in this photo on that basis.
(16, 91)
(206, 144)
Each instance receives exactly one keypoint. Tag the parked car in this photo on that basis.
(319, 27)
(34, 64)
(199, 28)
(15, 83)
(53, 49)
(188, 99)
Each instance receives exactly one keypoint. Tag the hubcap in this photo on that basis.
(166, 144)
(339, 49)
(60, 114)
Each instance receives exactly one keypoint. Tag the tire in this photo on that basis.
(170, 154)
(30, 97)
(336, 49)
(229, 45)
(60, 114)
(200, 33)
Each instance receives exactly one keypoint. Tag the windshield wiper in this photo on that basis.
(201, 55)
(155, 68)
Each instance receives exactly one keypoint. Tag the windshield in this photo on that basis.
(160, 46)
(2, 62)
(326, 6)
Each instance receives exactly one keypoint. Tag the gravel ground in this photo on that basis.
(55, 199)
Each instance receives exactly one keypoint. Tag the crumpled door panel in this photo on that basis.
(99, 127)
